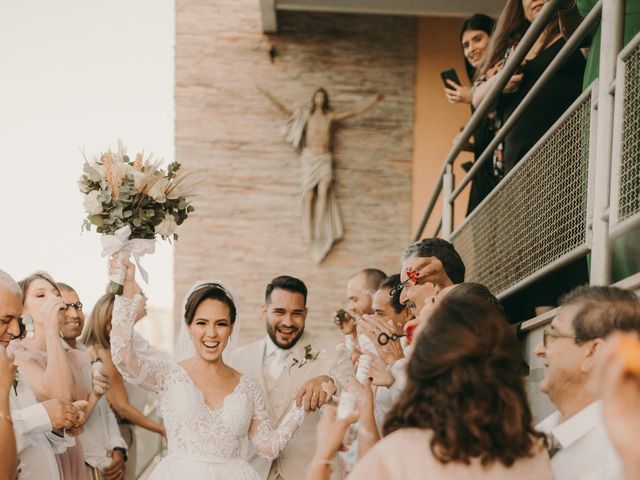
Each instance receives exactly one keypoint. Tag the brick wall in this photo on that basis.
(247, 227)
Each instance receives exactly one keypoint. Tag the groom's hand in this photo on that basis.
(313, 393)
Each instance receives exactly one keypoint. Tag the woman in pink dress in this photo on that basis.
(464, 412)
(45, 364)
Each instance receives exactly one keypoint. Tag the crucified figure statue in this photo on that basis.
(309, 130)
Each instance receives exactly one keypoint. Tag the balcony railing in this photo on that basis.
(575, 191)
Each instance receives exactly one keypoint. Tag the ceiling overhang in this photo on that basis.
(417, 8)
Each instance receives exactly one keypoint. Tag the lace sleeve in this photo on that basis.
(268, 442)
(135, 368)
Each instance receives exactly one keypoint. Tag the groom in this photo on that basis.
(291, 365)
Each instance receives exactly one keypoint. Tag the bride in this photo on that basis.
(208, 407)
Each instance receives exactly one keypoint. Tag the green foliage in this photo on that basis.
(133, 206)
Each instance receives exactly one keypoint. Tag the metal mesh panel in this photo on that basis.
(630, 163)
(537, 214)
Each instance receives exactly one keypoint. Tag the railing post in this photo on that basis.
(611, 38)
(447, 202)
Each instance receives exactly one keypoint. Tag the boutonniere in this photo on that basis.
(309, 356)
(16, 379)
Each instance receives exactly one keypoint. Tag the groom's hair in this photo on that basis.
(285, 282)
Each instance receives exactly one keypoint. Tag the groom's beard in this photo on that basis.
(271, 331)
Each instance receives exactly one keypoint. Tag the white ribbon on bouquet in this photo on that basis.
(120, 243)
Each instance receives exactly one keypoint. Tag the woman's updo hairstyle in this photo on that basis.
(208, 291)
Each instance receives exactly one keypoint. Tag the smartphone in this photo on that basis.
(449, 75)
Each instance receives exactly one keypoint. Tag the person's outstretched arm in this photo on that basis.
(268, 442)
(119, 401)
(134, 368)
(359, 110)
(276, 103)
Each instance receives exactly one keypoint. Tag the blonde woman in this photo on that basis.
(50, 370)
(126, 400)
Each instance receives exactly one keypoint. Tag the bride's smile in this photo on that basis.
(210, 329)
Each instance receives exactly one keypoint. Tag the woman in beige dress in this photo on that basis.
(464, 412)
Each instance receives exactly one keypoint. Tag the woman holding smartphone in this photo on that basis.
(475, 34)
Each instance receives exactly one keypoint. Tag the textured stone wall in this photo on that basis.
(247, 227)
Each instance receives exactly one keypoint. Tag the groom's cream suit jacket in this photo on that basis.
(295, 458)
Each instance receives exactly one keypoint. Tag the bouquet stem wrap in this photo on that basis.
(121, 245)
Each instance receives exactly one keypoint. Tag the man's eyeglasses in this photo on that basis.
(550, 332)
(77, 305)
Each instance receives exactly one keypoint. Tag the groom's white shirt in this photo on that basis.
(258, 359)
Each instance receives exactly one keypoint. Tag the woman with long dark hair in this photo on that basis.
(464, 411)
(475, 34)
(552, 100)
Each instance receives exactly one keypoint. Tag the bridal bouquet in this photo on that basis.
(131, 203)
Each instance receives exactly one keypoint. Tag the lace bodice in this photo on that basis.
(193, 428)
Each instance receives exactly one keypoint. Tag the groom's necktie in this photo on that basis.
(278, 363)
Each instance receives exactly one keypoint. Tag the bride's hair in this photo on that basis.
(208, 291)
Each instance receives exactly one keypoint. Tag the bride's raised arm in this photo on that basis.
(137, 369)
(267, 442)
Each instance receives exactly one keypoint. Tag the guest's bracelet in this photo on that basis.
(4, 416)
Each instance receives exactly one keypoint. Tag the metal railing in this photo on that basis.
(625, 191)
(553, 206)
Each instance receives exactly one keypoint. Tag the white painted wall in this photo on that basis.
(74, 74)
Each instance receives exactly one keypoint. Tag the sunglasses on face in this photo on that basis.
(77, 305)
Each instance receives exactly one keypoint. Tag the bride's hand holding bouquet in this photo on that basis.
(130, 288)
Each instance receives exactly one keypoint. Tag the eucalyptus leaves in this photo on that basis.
(140, 194)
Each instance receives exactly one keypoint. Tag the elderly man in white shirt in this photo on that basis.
(579, 446)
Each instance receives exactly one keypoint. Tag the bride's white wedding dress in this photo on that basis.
(204, 443)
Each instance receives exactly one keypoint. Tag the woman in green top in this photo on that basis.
(631, 28)
(626, 248)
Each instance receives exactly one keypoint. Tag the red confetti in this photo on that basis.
(409, 331)
(413, 274)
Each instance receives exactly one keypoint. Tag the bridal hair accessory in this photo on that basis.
(214, 285)
(27, 321)
(131, 203)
